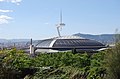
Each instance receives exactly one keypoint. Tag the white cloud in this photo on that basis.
(46, 23)
(5, 11)
(1, 0)
(12, 1)
(5, 19)
(16, 1)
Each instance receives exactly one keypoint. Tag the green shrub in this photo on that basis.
(12, 62)
(113, 62)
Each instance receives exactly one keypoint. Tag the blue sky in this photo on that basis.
(36, 19)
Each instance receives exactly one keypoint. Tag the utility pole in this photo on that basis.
(31, 48)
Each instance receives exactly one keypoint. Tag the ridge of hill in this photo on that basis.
(103, 38)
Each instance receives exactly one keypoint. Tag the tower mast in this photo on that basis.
(60, 25)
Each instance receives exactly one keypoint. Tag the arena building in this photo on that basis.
(68, 43)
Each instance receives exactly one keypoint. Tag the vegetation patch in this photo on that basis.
(16, 64)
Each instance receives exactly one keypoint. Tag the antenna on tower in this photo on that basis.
(60, 25)
(61, 16)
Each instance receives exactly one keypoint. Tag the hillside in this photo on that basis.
(103, 38)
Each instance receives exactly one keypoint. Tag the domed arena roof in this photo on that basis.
(69, 42)
(53, 41)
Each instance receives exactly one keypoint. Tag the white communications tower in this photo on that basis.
(60, 25)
